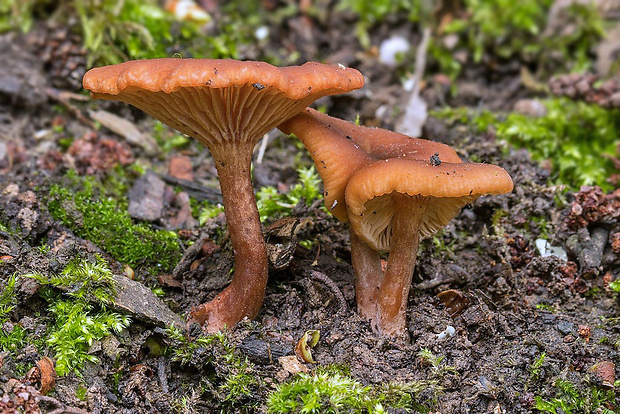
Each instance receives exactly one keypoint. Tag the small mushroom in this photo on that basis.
(340, 148)
(394, 190)
(227, 105)
(394, 203)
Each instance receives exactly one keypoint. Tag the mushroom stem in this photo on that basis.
(391, 310)
(368, 277)
(244, 296)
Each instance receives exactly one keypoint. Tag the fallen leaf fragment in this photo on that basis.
(454, 300)
(606, 372)
(181, 167)
(584, 332)
(44, 373)
(303, 349)
(124, 128)
(292, 365)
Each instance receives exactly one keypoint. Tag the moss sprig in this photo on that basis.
(272, 203)
(82, 319)
(82, 206)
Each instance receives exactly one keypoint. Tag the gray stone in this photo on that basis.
(146, 197)
(110, 346)
(140, 303)
(593, 246)
(565, 327)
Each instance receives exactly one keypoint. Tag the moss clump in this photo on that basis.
(579, 139)
(8, 299)
(82, 207)
(498, 29)
(234, 382)
(115, 31)
(569, 400)
(12, 337)
(78, 322)
(331, 389)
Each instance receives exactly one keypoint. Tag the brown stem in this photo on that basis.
(368, 277)
(244, 296)
(391, 314)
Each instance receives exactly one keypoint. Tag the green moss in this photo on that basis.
(78, 322)
(77, 326)
(504, 29)
(83, 280)
(438, 368)
(13, 339)
(16, 15)
(501, 29)
(8, 298)
(569, 400)
(234, 379)
(169, 139)
(115, 31)
(3, 227)
(322, 392)
(208, 211)
(83, 208)
(546, 307)
(576, 137)
(372, 12)
(81, 392)
(536, 367)
(331, 389)
(271, 203)
(12, 336)
(306, 244)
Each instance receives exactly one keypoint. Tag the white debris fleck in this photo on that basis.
(334, 204)
(408, 84)
(390, 48)
(546, 249)
(262, 33)
(450, 331)
(188, 10)
(341, 66)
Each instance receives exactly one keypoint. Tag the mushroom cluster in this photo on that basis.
(394, 190)
(227, 105)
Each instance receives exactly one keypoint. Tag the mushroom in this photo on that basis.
(394, 190)
(228, 106)
(394, 203)
(340, 148)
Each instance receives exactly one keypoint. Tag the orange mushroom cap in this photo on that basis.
(215, 100)
(450, 186)
(339, 148)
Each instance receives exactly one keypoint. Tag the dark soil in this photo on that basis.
(507, 304)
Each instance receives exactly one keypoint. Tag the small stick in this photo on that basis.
(327, 281)
(60, 407)
(262, 148)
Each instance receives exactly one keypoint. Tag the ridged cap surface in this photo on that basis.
(339, 148)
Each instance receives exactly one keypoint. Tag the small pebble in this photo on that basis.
(565, 327)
